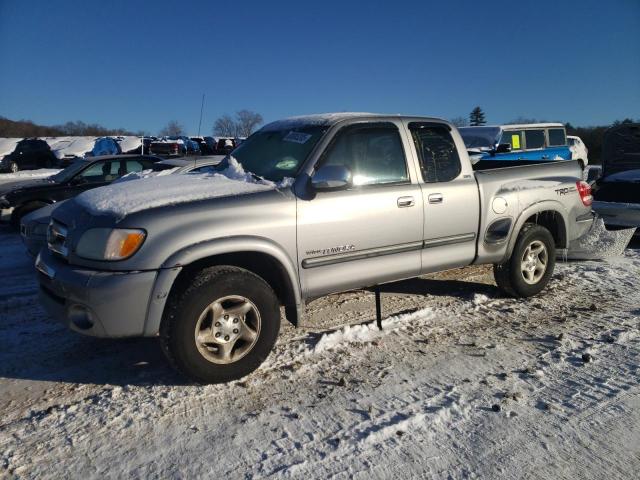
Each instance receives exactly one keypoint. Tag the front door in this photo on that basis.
(368, 234)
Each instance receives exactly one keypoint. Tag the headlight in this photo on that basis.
(110, 243)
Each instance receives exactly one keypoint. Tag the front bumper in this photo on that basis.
(618, 214)
(95, 303)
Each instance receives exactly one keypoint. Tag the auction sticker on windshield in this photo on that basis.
(297, 137)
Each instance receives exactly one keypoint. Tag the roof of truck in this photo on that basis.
(326, 119)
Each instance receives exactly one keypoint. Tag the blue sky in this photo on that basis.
(137, 64)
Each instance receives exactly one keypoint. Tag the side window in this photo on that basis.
(373, 153)
(513, 138)
(133, 166)
(535, 139)
(439, 160)
(557, 137)
(98, 172)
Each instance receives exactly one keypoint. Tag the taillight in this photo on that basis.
(584, 190)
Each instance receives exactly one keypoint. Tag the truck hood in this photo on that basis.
(122, 199)
(621, 149)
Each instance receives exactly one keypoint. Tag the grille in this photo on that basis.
(57, 238)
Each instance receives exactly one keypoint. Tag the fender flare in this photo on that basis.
(173, 265)
(539, 207)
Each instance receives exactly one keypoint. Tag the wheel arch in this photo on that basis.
(546, 214)
(258, 255)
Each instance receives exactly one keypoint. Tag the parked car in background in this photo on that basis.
(28, 154)
(79, 177)
(69, 149)
(510, 145)
(174, 146)
(104, 146)
(579, 150)
(207, 144)
(617, 192)
(225, 145)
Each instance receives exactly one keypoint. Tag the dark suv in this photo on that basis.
(29, 154)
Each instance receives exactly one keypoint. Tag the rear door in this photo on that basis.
(368, 234)
(450, 197)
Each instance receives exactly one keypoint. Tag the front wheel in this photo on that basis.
(222, 327)
(531, 265)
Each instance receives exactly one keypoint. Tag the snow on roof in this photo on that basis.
(122, 199)
(72, 146)
(129, 143)
(8, 145)
(316, 119)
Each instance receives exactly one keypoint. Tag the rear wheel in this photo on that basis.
(222, 327)
(531, 265)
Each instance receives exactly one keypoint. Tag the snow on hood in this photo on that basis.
(124, 198)
(8, 145)
(144, 174)
(29, 174)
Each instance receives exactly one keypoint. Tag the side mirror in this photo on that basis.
(503, 148)
(332, 177)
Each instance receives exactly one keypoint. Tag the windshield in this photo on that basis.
(66, 174)
(277, 154)
(480, 137)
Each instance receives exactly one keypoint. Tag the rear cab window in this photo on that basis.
(439, 159)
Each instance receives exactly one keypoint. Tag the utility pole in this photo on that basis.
(201, 107)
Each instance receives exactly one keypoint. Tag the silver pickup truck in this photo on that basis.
(305, 207)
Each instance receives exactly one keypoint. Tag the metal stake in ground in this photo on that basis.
(378, 308)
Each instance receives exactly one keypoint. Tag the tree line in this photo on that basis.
(26, 128)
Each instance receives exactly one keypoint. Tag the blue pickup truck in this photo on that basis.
(510, 145)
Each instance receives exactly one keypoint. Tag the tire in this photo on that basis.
(23, 210)
(13, 167)
(245, 339)
(522, 277)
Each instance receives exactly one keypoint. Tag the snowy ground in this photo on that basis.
(462, 383)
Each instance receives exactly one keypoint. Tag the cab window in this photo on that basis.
(557, 137)
(535, 139)
(373, 153)
(439, 160)
(100, 172)
(513, 138)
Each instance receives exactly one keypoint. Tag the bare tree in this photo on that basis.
(247, 122)
(460, 121)
(224, 126)
(173, 128)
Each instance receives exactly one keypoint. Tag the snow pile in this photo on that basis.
(367, 332)
(123, 198)
(599, 242)
(8, 145)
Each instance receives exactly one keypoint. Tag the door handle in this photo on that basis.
(435, 198)
(404, 202)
